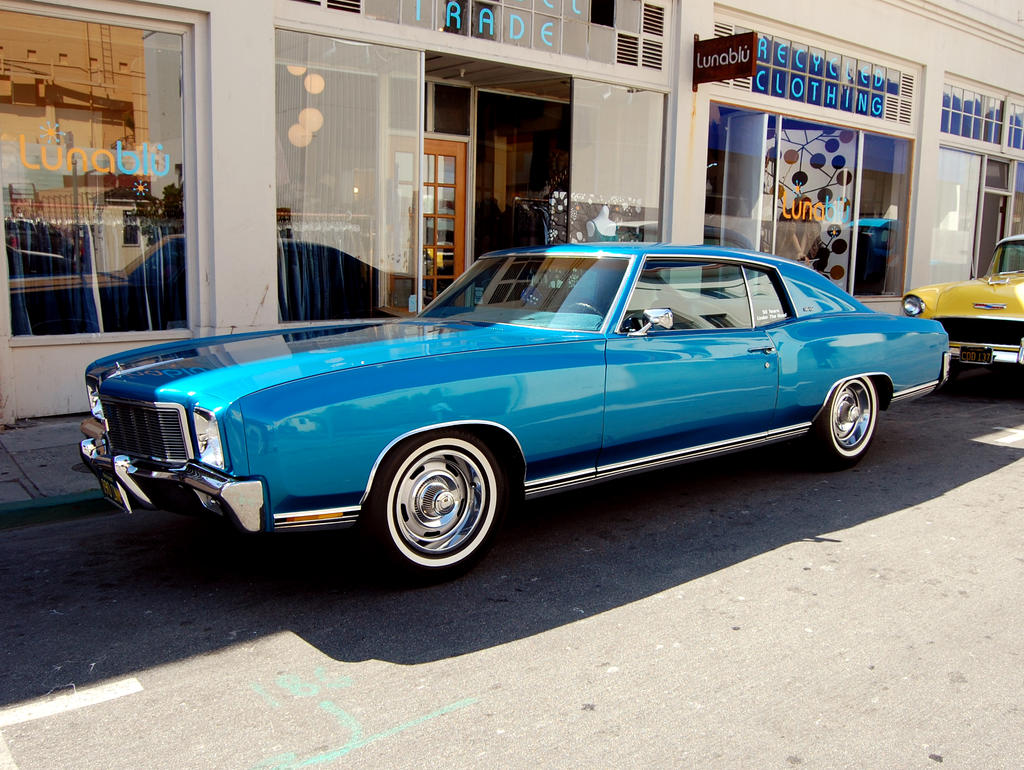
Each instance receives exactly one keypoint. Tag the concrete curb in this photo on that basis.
(44, 510)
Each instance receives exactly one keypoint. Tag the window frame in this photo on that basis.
(669, 260)
(191, 26)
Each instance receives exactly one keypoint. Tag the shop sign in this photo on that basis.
(825, 212)
(56, 155)
(791, 70)
(724, 58)
(538, 24)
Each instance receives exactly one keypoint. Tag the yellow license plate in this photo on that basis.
(113, 492)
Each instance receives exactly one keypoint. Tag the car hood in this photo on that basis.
(223, 369)
(995, 296)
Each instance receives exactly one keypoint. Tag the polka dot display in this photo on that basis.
(818, 182)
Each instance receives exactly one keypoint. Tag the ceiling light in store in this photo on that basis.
(314, 83)
(296, 69)
(311, 119)
(299, 136)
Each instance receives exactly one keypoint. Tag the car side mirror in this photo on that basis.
(659, 316)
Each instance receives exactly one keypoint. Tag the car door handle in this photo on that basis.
(766, 349)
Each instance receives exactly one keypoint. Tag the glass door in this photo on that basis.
(444, 215)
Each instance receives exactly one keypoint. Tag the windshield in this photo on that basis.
(565, 292)
(1009, 258)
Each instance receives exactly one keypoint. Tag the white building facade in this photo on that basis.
(225, 166)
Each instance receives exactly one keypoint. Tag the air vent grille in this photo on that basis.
(652, 55)
(352, 6)
(628, 50)
(654, 20)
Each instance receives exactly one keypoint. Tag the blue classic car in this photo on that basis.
(538, 370)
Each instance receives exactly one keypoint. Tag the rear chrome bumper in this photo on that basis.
(242, 502)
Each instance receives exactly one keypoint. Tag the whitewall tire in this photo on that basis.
(437, 503)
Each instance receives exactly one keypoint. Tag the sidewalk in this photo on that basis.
(42, 477)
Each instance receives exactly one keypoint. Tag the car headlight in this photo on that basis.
(913, 305)
(211, 450)
(92, 387)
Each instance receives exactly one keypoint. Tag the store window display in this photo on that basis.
(829, 196)
(347, 178)
(601, 227)
(91, 158)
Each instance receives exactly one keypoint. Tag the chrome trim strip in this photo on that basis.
(792, 430)
(551, 484)
(700, 451)
(339, 522)
(330, 516)
(562, 479)
(916, 391)
(425, 429)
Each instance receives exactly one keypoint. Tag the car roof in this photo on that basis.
(1012, 239)
(602, 249)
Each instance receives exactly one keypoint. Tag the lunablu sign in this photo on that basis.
(724, 58)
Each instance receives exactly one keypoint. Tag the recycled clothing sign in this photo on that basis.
(724, 58)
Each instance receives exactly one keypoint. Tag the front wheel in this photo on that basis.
(846, 425)
(437, 504)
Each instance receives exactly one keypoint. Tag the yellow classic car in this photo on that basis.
(984, 317)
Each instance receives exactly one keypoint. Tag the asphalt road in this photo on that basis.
(743, 612)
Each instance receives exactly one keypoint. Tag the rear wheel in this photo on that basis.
(437, 504)
(845, 427)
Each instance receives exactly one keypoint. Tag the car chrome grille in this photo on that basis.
(146, 430)
(984, 331)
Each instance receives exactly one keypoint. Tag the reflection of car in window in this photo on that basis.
(61, 292)
(317, 282)
(875, 239)
(58, 292)
(723, 236)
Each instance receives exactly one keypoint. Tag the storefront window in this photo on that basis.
(1017, 225)
(91, 158)
(347, 178)
(1015, 126)
(790, 187)
(616, 163)
(882, 215)
(953, 240)
(971, 115)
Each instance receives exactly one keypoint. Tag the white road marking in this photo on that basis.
(68, 702)
(1015, 436)
(1000, 435)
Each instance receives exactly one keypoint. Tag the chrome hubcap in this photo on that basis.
(439, 501)
(851, 415)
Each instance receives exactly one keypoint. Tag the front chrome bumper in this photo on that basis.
(239, 501)
(1001, 354)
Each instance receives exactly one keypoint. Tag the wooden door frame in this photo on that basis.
(460, 150)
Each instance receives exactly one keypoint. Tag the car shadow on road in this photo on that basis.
(94, 599)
